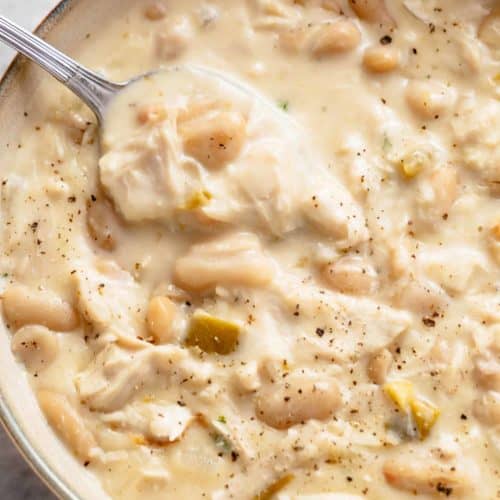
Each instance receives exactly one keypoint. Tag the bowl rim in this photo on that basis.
(33, 457)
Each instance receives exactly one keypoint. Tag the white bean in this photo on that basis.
(494, 242)
(64, 418)
(331, 5)
(296, 399)
(26, 306)
(273, 8)
(489, 30)
(351, 275)
(155, 11)
(429, 99)
(437, 192)
(235, 260)
(36, 346)
(160, 316)
(372, 11)
(334, 38)
(425, 477)
(292, 40)
(214, 139)
(381, 59)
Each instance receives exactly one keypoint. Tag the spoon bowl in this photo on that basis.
(91, 88)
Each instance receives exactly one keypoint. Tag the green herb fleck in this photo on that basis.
(386, 145)
(222, 419)
(283, 105)
(221, 441)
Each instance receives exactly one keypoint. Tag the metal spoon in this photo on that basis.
(94, 90)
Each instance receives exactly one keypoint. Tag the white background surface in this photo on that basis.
(17, 481)
(28, 13)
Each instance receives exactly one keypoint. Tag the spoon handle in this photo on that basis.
(94, 90)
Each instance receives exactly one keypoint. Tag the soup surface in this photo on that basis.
(282, 283)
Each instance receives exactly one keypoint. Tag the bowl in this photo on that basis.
(64, 27)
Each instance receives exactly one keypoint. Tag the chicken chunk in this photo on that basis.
(109, 298)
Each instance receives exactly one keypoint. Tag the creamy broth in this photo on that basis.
(288, 289)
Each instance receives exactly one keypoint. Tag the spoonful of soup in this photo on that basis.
(122, 108)
(192, 149)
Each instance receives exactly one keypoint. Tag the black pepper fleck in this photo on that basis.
(429, 322)
(320, 332)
